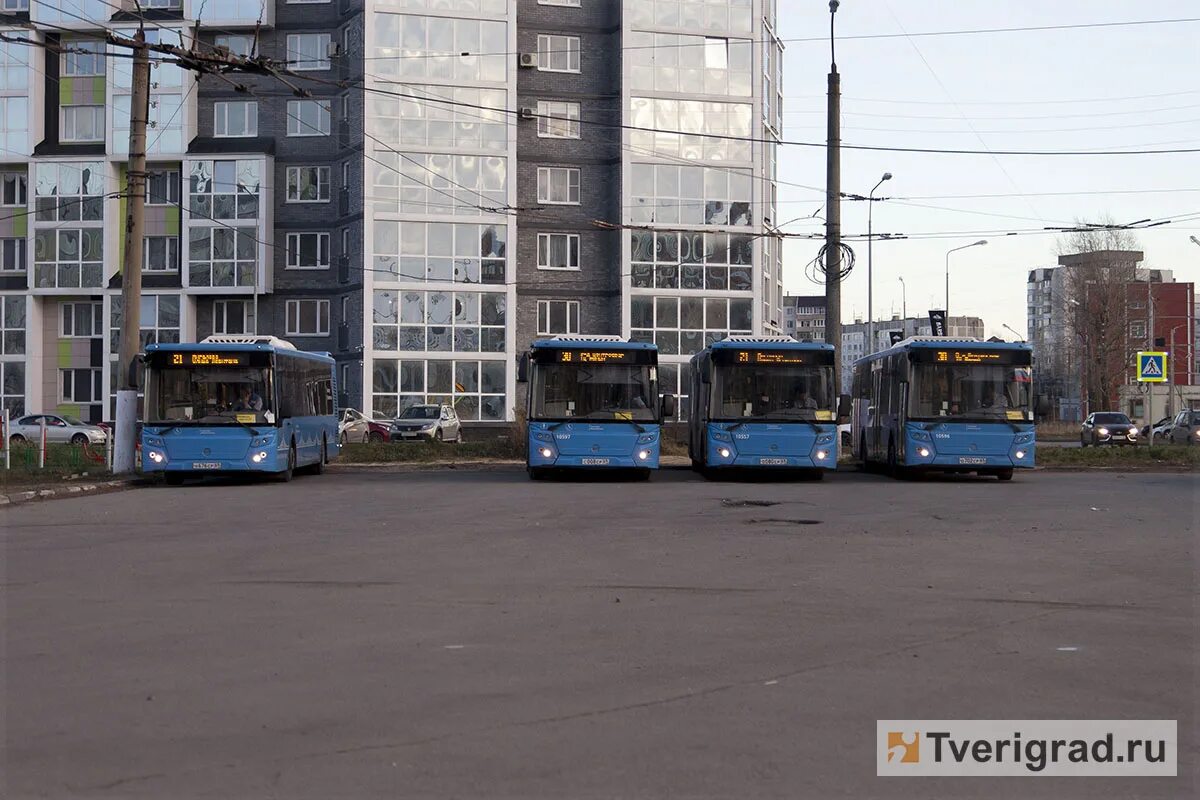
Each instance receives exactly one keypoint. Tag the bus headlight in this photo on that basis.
(259, 457)
(546, 452)
(643, 454)
(923, 452)
(1019, 454)
(822, 455)
(156, 456)
(723, 452)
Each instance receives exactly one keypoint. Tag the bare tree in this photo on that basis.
(1100, 264)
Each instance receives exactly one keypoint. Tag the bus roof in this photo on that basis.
(767, 343)
(588, 342)
(234, 347)
(941, 342)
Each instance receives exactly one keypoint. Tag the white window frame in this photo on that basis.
(322, 183)
(96, 389)
(171, 247)
(294, 50)
(20, 189)
(544, 311)
(561, 114)
(95, 59)
(66, 315)
(221, 110)
(557, 47)
(18, 246)
(294, 314)
(544, 240)
(98, 135)
(297, 127)
(294, 247)
(222, 311)
(174, 187)
(546, 176)
(247, 50)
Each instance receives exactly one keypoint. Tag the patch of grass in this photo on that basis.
(1140, 456)
(1058, 431)
(424, 452)
(64, 462)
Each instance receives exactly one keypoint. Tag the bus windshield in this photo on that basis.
(210, 395)
(970, 391)
(771, 392)
(594, 392)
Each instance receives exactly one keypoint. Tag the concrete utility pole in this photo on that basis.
(131, 276)
(833, 211)
(1149, 346)
(887, 176)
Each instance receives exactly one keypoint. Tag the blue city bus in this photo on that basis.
(593, 405)
(763, 403)
(950, 405)
(237, 404)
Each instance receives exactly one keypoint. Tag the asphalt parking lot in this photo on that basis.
(476, 635)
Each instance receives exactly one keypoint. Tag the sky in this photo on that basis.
(1045, 90)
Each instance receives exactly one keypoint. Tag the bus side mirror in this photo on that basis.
(523, 368)
(668, 406)
(1043, 406)
(845, 406)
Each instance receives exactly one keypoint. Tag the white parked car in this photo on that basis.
(353, 426)
(427, 422)
(60, 429)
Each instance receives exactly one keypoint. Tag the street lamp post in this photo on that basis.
(887, 176)
(955, 250)
(903, 299)
(1019, 336)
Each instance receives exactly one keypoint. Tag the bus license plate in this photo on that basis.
(773, 462)
(972, 460)
(206, 465)
(594, 462)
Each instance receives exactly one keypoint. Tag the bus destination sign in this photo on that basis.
(971, 357)
(595, 356)
(209, 359)
(783, 357)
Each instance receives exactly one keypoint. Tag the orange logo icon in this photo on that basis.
(904, 748)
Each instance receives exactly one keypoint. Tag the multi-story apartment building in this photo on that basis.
(251, 222)
(804, 317)
(464, 176)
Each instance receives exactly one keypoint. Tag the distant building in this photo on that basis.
(804, 317)
(854, 336)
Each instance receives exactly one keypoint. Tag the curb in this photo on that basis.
(72, 490)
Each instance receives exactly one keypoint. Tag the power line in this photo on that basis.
(996, 102)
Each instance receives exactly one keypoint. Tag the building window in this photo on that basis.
(224, 190)
(437, 41)
(558, 53)
(558, 185)
(82, 124)
(81, 385)
(558, 120)
(441, 116)
(69, 192)
(162, 188)
(231, 316)
(686, 325)
(710, 261)
(309, 117)
(476, 388)
(12, 327)
(1137, 330)
(232, 119)
(466, 183)
(82, 320)
(307, 317)
(470, 322)
(722, 130)
(83, 59)
(14, 125)
(222, 256)
(159, 321)
(308, 251)
(308, 184)
(691, 195)
(558, 317)
(13, 189)
(68, 258)
(14, 61)
(13, 255)
(237, 44)
(558, 251)
(440, 251)
(160, 254)
(688, 64)
(308, 51)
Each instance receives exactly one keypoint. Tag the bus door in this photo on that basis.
(875, 421)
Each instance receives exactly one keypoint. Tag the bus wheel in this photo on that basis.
(892, 465)
(319, 467)
(863, 464)
(536, 474)
(173, 479)
(1004, 474)
(290, 472)
(641, 474)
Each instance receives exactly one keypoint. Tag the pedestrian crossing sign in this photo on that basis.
(1152, 367)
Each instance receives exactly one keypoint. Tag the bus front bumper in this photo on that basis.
(722, 452)
(922, 454)
(641, 455)
(261, 459)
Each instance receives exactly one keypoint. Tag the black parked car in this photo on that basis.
(1108, 427)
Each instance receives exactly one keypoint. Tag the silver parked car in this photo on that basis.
(1186, 428)
(60, 429)
(353, 426)
(427, 422)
